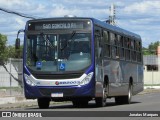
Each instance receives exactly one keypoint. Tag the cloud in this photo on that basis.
(144, 7)
(14, 4)
(61, 10)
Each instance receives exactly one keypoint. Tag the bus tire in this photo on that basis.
(128, 98)
(125, 99)
(43, 103)
(101, 101)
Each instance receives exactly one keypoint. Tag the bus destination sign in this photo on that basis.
(62, 25)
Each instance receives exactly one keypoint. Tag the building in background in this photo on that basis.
(152, 68)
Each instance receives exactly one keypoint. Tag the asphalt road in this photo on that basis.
(145, 102)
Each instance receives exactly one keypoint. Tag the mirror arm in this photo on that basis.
(19, 31)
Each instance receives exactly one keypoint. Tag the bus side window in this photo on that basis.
(128, 43)
(139, 54)
(118, 40)
(106, 37)
(112, 38)
(98, 45)
(115, 39)
(139, 45)
(115, 48)
(125, 42)
(106, 43)
(122, 51)
(132, 44)
(127, 53)
(133, 51)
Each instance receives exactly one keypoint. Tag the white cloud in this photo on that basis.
(14, 4)
(151, 6)
(19, 22)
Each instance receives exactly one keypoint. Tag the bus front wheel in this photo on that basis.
(43, 103)
(101, 101)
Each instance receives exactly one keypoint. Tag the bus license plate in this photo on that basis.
(57, 95)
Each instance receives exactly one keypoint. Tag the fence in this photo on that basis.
(11, 84)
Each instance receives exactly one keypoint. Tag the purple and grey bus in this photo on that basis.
(80, 59)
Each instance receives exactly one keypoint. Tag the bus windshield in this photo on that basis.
(58, 52)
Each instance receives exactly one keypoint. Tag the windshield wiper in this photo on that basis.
(47, 41)
(72, 35)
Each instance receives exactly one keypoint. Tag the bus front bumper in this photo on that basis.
(59, 92)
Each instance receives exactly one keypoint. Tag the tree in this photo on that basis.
(145, 51)
(13, 53)
(5, 52)
(3, 49)
(152, 48)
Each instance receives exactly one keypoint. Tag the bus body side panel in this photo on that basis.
(115, 77)
(138, 86)
(119, 74)
(99, 81)
(115, 72)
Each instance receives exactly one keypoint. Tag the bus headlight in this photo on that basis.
(28, 80)
(87, 79)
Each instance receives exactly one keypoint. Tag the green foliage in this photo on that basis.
(8, 51)
(3, 49)
(14, 53)
(145, 51)
(152, 49)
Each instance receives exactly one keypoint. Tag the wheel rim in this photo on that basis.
(104, 95)
(130, 94)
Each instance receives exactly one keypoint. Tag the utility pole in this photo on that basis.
(112, 15)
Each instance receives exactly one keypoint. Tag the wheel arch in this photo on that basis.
(106, 82)
(131, 80)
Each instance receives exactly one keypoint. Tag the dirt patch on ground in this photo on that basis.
(147, 91)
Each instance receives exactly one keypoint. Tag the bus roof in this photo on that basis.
(115, 28)
(95, 21)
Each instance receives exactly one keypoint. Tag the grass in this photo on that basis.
(151, 84)
(18, 89)
(9, 87)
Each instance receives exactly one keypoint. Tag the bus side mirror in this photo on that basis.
(17, 44)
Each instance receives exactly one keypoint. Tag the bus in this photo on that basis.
(80, 59)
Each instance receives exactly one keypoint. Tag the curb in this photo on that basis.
(151, 87)
(19, 99)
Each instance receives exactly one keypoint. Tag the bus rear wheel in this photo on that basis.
(43, 103)
(128, 98)
(101, 101)
(125, 99)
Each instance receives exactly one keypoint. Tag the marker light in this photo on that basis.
(28, 80)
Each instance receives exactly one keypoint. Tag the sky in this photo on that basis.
(138, 16)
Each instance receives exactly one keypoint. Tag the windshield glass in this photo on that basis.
(59, 52)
